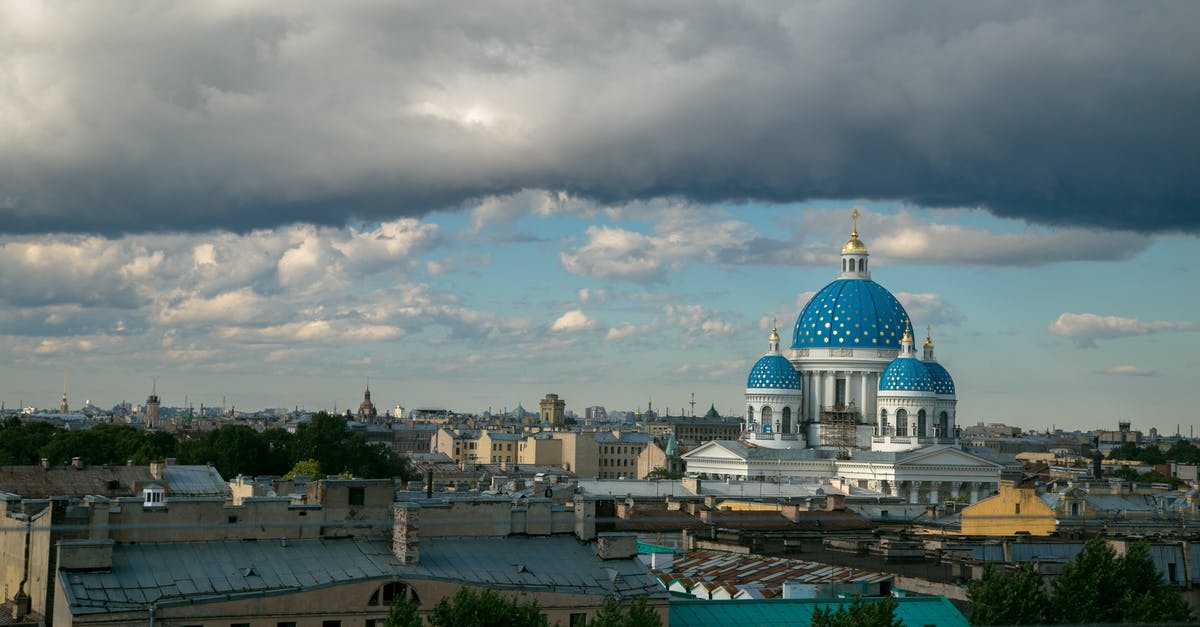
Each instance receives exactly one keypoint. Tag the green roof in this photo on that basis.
(645, 548)
(913, 611)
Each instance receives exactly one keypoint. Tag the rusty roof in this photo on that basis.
(769, 573)
(36, 482)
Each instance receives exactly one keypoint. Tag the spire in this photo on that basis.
(63, 406)
(928, 356)
(906, 341)
(773, 339)
(854, 254)
(854, 245)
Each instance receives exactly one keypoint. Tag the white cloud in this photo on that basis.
(929, 309)
(574, 320)
(693, 320)
(237, 307)
(905, 238)
(1084, 329)
(502, 211)
(1129, 371)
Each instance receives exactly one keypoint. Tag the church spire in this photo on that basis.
(854, 254)
(928, 354)
(773, 339)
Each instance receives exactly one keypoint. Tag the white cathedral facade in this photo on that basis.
(852, 400)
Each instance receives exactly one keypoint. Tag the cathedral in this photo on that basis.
(852, 400)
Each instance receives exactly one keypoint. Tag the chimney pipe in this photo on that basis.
(76, 463)
(45, 463)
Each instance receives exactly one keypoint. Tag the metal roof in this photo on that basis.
(767, 572)
(914, 611)
(189, 571)
(195, 481)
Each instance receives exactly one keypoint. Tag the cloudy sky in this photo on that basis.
(474, 205)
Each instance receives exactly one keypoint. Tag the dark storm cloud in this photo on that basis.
(191, 117)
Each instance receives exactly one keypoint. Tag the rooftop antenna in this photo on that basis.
(693, 404)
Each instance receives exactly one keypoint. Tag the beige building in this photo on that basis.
(552, 411)
(602, 454)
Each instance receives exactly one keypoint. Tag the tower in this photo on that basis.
(773, 400)
(63, 407)
(152, 407)
(366, 409)
(845, 336)
(552, 410)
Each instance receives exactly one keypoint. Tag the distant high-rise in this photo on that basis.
(152, 407)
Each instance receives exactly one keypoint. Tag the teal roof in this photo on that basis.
(798, 612)
(645, 548)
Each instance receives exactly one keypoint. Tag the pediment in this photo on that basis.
(947, 456)
(716, 450)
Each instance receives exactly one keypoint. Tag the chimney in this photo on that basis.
(156, 469)
(45, 463)
(406, 532)
(76, 463)
(615, 546)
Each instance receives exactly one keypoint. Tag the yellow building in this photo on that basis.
(1013, 511)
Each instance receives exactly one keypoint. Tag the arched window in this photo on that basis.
(390, 592)
(862, 265)
(843, 265)
(883, 425)
(921, 424)
(901, 422)
(787, 419)
(750, 413)
(944, 424)
(766, 414)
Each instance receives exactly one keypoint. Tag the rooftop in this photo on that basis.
(798, 612)
(183, 571)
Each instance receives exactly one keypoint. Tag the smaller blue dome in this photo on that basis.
(942, 383)
(773, 372)
(905, 374)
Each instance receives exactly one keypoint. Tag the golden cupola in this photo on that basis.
(854, 254)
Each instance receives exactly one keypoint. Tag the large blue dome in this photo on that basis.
(942, 383)
(851, 313)
(773, 372)
(905, 374)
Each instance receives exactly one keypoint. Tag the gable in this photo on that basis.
(947, 456)
(715, 450)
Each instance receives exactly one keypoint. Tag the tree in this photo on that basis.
(996, 599)
(486, 607)
(662, 473)
(861, 613)
(635, 613)
(1098, 586)
(308, 467)
(405, 612)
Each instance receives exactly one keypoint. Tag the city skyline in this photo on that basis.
(473, 209)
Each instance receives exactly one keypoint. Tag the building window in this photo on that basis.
(390, 592)
(286, 624)
(239, 624)
(1018, 509)
(357, 496)
(578, 619)
(331, 623)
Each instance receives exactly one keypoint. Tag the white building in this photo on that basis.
(852, 400)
